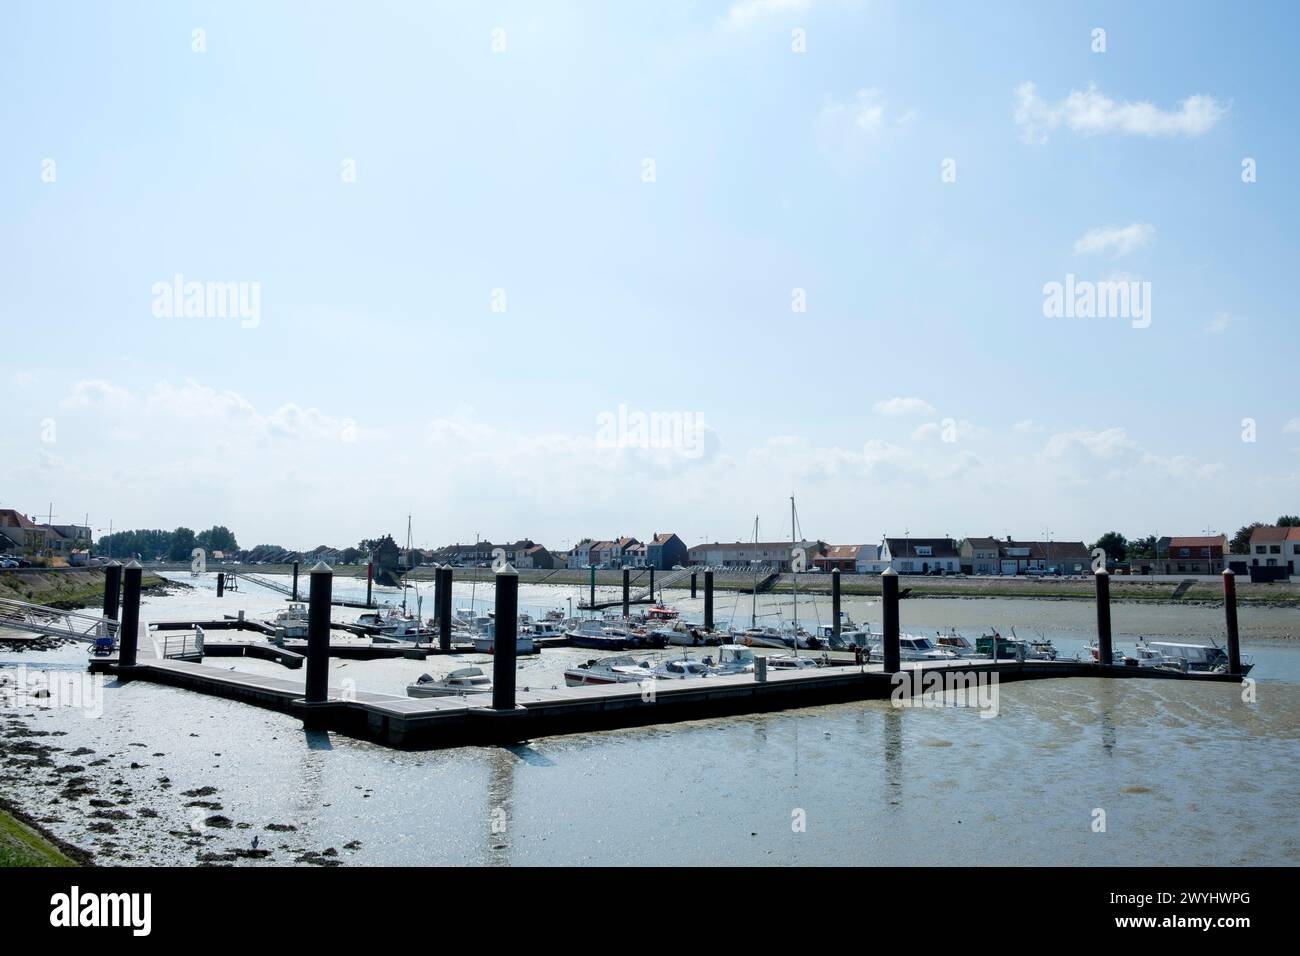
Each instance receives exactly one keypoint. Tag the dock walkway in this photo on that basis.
(540, 711)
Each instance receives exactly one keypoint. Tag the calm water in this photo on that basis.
(1185, 773)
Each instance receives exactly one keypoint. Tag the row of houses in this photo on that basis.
(905, 555)
(524, 554)
(20, 535)
(662, 551)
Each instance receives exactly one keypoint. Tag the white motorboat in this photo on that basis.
(1187, 658)
(621, 669)
(734, 659)
(851, 634)
(486, 643)
(291, 622)
(787, 662)
(388, 621)
(683, 634)
(1094, 651)
(761, 637)
(546, 628)
(466, 680)
(682, 668)
(952, 641)
(912, 647)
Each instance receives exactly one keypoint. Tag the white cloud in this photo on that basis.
(904, 406)
(1091, 112)
(742, 13)
(1292, 426)
(1219, 324)
(865, 113)
(1111, 445)
(1115, 241)
(97, 393)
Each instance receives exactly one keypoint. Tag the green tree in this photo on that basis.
(218, 538)
(1240, 543)
(182, 544)
(1114, 544)
(1144, 547)
(1288, 521)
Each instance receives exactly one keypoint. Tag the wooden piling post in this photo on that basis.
(692, 585)
(889, 648)
(221, 584)
(652, 584)
(506, 634)
(708, 599)
(444, 610)
(1105, 651)
(112, 589)
(295, 580)
(591, 602)
(128, 634)
(1230, 614)
(627, 593)
(835, 603)
(370, 582)
(318, 633)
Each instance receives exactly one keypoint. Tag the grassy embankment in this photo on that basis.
(24, 845)
(69, 590)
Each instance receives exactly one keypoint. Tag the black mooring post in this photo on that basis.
(295, 580)
(592, 600)
(835, 602)
(627, 591)
(708, 599)
(889, 590)
(128, 633)
(112, 589)
(1105, 655)
(437, 591)
(221, 583)
(444, 611)
(506, 633)
(318, 633)
(652, 585)
(692, 585)
(1230, 613)
(370, 582)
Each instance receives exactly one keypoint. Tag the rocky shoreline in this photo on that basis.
(119, 807)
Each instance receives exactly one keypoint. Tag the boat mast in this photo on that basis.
(473, 588)
(408, 562)
(753, 608)
(794, 577)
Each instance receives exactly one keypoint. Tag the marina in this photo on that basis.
(602, 694)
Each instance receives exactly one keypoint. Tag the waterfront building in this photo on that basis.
(908, 555)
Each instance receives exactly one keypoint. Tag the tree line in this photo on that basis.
(175, 545)
(1120, 548)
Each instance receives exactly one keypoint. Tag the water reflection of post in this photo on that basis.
(501, 791)
(1106, 701)
(893, 754)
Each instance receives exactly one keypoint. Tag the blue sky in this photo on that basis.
(379, 381)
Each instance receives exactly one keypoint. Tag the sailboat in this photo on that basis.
(795, 636)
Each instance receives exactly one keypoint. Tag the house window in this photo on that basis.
(1274, 549)
(1259, 549)
(1183, 553)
